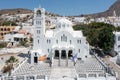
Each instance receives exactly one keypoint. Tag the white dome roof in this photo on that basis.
(64, 20)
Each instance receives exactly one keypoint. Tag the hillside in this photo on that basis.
(22, 11)
(115, 7)
(15, 11)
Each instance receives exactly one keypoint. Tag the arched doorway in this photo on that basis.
(35, 58)
(70, 53)
(63, 54)
(56, 54)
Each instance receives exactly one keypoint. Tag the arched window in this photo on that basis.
(38, 41)
(35, 54)
(79, 50)
(64, 38)
(63, 25)
(68, 25)
(38, 13)
(39, 31)
(59, 25)
(70, 42)
(57, 41)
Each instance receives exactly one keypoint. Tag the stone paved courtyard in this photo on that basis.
(91, 67)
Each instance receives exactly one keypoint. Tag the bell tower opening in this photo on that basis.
(38, 13)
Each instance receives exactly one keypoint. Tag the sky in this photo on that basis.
(62, 7)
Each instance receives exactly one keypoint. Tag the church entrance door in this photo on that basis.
(63, 54)
(70, 54)
(35, 59)
(56, 54)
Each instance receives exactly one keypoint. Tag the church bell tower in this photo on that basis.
(39, 27)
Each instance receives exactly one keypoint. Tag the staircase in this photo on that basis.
(62, 72)
(63, 63)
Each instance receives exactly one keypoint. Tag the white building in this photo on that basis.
(61, 42)
(14, 38)
(117, 45)
(117, 41)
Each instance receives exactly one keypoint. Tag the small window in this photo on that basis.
(48, 50)
(1, 29)
(63, 25)
(118, 46)
(78, 41)
(85, 56)
(59, 26)
(79, 50)
(1, 34)
(64, 38)
(36, 22)
(68, 25)
(38, 41)
(39, 22)
(47, 41)
(35, 54)
(39, 31)
(8, 29)
(70, 42)
(57, 41)
(118, 38)
(5, 29)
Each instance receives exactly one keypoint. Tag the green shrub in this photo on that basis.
(3, 45)
(12, 59)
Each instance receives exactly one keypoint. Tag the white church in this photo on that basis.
(67, 52)
(62, 42)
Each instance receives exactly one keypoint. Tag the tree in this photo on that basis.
(12, 59)
(98, 34)
(106, 39)
(9, 65)
(31, 39)
(3, 44)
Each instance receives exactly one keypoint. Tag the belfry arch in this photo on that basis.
(38, 13)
